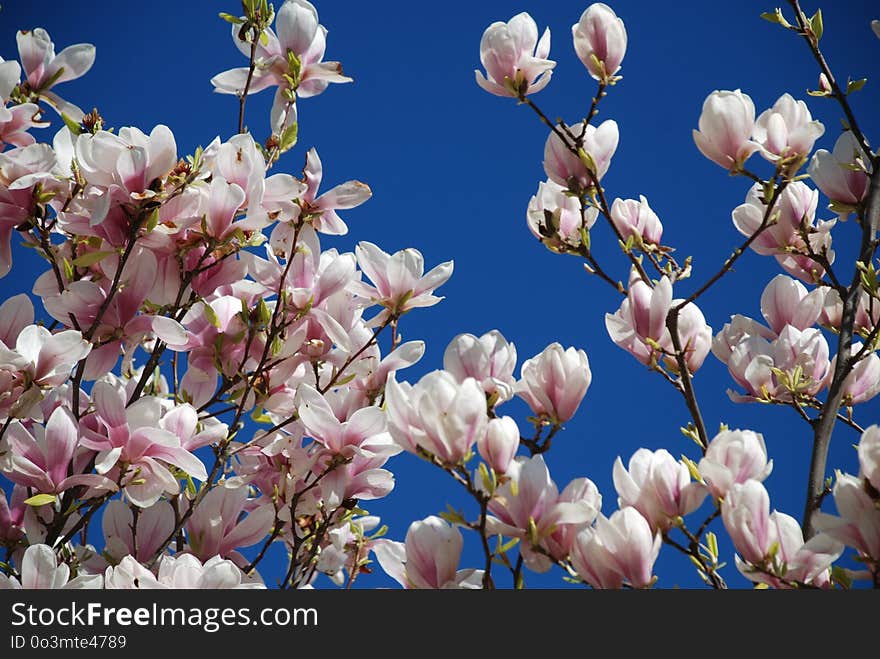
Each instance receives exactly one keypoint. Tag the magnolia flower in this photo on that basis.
(735, 332)
(636, 219)
(863, 381)
(129, 159)
(554, 382)
(500, 443)
(44, 69)
(571, 171)
(399, 281)
(142, 536)
(732, 458)
(428, 559)
(787, 131)
(529, 506)
(622, 548)
(795, 362)
(489, 359)
(132, 447)
(858, 524)
(600, 41)
(291, 60)
(40, 458)
(321, 210)
(745, 512)
(555, 217)
(726, 126)
(785, 301)
(40, 570)
(515, 61)
(219, 526)
(869, 455)
(792, 559)
(841, 174)
(658, 486)
(438, 415)
(364, 432)
(181, 572)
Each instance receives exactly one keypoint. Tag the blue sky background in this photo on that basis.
(452, 169)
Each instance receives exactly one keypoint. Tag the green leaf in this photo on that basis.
(72, 126)
(68, 269)
(855, 85)
(289, 136)
(91, 258)
(816, 24)
(211, 315)
(229, 18)
(40, 500)
(770, 17)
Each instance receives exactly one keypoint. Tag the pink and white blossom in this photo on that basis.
(514, 58)
(787, 131)
(571, 171)
(429, 557)
(658, 486)
(837, 173)
(636, 219)
(600, 41)
(438, 414)
(40, 570)
(43, 69)
(869, 455)
(732, 458)
(555, 217)
(554, 382)
(620, 549)
(725, 129)
(489, 359)
(857, 524)
(400, 283)
(500, 443)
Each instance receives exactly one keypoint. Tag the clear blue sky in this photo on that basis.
(452, 169)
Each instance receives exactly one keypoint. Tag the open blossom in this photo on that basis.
(639, 325)
(554, 382)
(636, 219)
(429, 557)
(570, 171)
(399, 280)
(555, 217)
(219, 526)
(734, 457)
(787, 130)
(726, 126)
(515, 60)
(619, 549)
(867, 311)
(500, 443)
(129, 159)
(600, 41)
(835, 173)
(769, 368)
(735, 332)
(489, 359)
(17, 120)
(796, 207)
(363, 432)
(529, 506)
(41, 457)
(132, 447)
(298, 35)
(181, 572)
(320, 210)
(437, 414)
(44, 69)
(40, 570)
(658, 486)
(12, 516)
(141, 537)
(858, 522)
